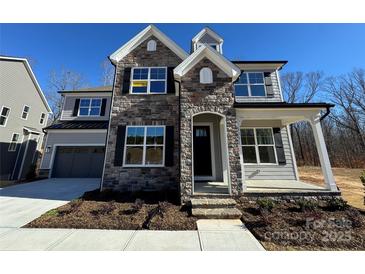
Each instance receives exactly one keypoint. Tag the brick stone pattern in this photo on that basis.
(128, 109)
(217, 97)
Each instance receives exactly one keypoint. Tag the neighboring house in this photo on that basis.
(196, 123)
(75, 144)
(23, 113)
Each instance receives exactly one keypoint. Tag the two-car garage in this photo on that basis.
(78, 162)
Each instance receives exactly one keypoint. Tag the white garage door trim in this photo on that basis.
(54, 149)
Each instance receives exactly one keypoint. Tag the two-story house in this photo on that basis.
(23, 113)
(196, 123)
(75, 144)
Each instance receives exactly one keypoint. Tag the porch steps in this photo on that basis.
(208, 208)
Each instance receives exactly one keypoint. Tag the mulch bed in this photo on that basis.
(113, 210)
(287, 226)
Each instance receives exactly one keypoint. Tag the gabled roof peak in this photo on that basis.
(149, 31)
(215, 57)
(210, 32)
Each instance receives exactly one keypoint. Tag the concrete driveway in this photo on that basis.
(23, 203)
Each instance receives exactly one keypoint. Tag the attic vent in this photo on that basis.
(151, 45)
(206, 76)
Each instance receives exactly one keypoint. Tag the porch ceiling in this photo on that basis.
(287, 115)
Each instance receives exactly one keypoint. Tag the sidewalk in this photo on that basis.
(211, 235)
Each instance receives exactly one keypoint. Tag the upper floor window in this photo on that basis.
(149, 80)
(206, 76)
(90, 107)
(258, 146)
(25, 112)
(144, 146)
(13, 142)
(42, 119)
(151, 45)
(250, 84)
(5, 111)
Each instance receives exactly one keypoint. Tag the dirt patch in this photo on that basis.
(347, 179)
(288, 227)
(113, 210)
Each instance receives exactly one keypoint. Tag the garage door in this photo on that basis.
(78, 162)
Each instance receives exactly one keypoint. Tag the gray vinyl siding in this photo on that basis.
(69, 103)
(73, 138)
(276, 89)
(16, 90)
(271, 172)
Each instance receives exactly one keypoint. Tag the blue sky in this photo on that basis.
(331, 48)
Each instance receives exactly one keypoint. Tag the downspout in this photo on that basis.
(109, 120)
(328, 111)
(179, 138)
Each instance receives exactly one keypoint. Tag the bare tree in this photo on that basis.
(64, 79)
(107, 73)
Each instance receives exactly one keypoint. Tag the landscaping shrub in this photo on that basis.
(306, 205)
(337, 204)
(265, 204)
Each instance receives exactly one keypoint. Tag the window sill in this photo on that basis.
(143, 166)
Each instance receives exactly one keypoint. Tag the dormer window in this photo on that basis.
(151, 45)
(206, 76)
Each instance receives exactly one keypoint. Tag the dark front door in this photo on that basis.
(202, 153)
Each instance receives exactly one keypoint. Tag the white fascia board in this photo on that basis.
(141, 37)
(208, 31)
(32, 76)
(218, 59)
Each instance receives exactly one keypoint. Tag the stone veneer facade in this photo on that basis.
(163, 109)
(217, 97)
(128, 109)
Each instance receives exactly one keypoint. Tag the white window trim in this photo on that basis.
(21, 116)
(44, 119)
(6, 117)
(256, 145)
(249, 85)
(11, 142)
(209, 78)
(149, 80)
(218, 46)
(89, 107)
(151, 45)
(144, 146)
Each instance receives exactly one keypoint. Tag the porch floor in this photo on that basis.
(206, 187)
(282, 186)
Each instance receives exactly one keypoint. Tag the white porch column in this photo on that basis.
(322, 153)
(239, 123)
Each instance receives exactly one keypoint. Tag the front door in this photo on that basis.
(202, 153)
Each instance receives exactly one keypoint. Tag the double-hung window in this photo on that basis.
(13, 142)
(41, 120)
(250, 84)
(90, 107)
(149, 80)
(5, 111)
(25, 112)
(258, 146)
(144, 146)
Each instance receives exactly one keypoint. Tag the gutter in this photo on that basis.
(179, 119)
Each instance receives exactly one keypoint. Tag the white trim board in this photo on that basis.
(214, 56)
(142, 36)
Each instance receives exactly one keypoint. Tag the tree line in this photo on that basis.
(343, 129)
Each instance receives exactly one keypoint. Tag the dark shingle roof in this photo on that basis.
(79, 125)
(92, 89)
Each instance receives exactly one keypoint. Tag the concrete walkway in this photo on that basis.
(211, 235)
(22, 203)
